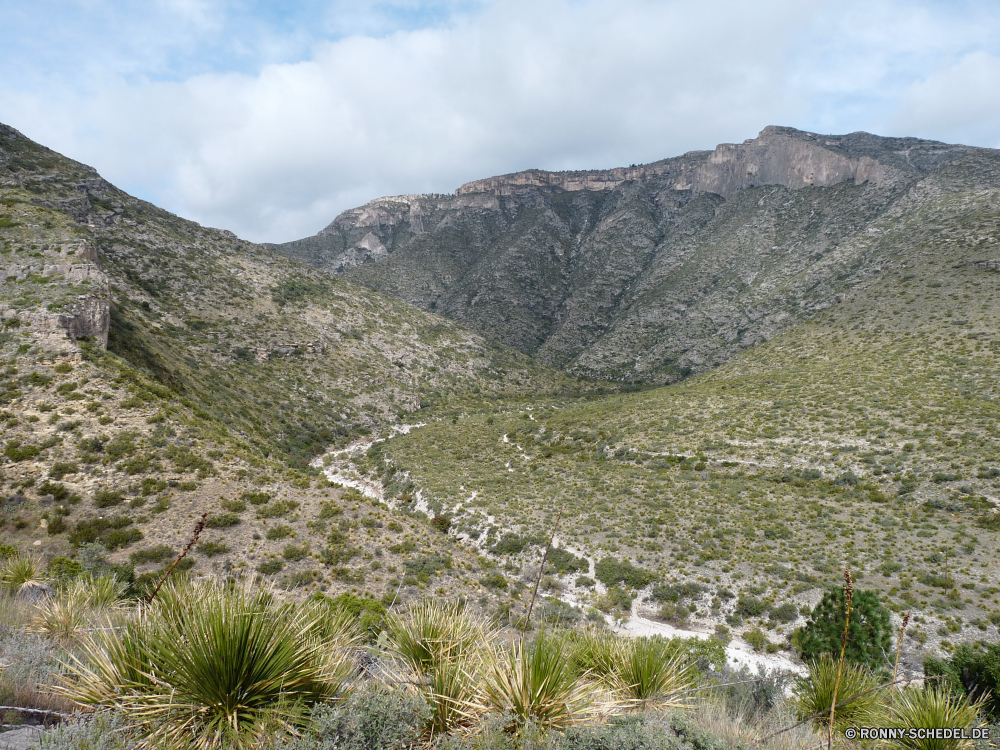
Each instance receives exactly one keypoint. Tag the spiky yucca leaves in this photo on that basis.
(647, 675)
(593, 652)
(444, 646)
(859, 700)
(536, 683)
(207, 666)
(930, 708)
(429, 633)
(77, 606)
(20, 572)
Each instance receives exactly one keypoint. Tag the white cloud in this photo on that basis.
(275, 153)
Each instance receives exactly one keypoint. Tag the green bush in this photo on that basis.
(15, 450)
(278, 532)
(222, 520)
(107, 498)
(973, 670)
(155, 554)
(112, 533)
(63, 569)
(494, 581)
(869, 636)
(58, 491)
(211, 549)
(294, 553)
(368, 613)
(61, 468)
(234, 506)
(750, 606)
(269, 567)
(611, 571)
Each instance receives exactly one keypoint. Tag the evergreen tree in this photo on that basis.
(869, 636)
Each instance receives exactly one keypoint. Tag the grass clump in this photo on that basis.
(814, 693)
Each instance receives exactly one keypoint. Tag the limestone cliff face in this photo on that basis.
(82, 308)
(642, 273)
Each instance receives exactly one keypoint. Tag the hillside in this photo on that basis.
(154, 370)
(868, 436)
(650, 273)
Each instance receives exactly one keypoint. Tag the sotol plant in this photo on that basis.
(205, 666)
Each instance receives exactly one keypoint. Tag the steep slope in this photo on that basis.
(647, 273)
(867, 436)
(153, 369)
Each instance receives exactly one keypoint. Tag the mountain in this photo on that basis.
(653, 272)
(153, 370)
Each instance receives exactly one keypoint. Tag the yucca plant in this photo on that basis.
(594, 652)
(429, 633)
(933, 707)
(443, 645)
(206, 666)
(860, 702)
(536, 683)
(21, 572)
(73, 609)
(647, 675)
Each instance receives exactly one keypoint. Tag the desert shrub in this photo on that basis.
(256, 498)
(614, 598)
(972, 670)
(15, 450)
(869, 634)
(513, 544)
(558, 613)
(233, 666)
(63, 569)
(441, 523)
(112, 533)
(750, 606)
(755, 699)
(211, 549)
(372, 718)
(108, 498)
(756, 639)
(101, 731)
(337, 554)
(428, 565)
(57, 491)
(611, 571)
(221, 520)
(786, 612)
(7, 551)
(61, 468)
(278, 532)
(368, 613)
(676, 592)
(563, 562)
(277, 510)
(269, 567)
(155, 554)
(494, 581)
(294, 553)
(234, 506)
(152, 486)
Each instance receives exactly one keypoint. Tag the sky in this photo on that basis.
(269, 117)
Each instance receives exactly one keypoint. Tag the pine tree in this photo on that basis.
(869, 636)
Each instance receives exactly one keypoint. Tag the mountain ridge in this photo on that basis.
(646, 273)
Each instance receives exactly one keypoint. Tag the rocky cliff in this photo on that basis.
(644, 273)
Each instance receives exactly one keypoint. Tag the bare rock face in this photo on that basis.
(86, 315)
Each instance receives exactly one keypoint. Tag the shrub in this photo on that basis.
(757, 695)
(211, 549)
(278, 532)
(973, 670)
(235, 506)
(63, 569)
(112, 533)
(368, 613)
(564, 562)
(372, 718)
(222, 520)
(15, 450)
(155, 554)
(441, 523)
(611, 571)
(869, 635)
(231, 665)
(616, 598)
(57, 491)
(756, 639)
(256, 498)
(750, 606)
(62, 468)
(107, 498)
(269, 567)
(494, 581)
(294, 553)
(277, 510)
(786, 612)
